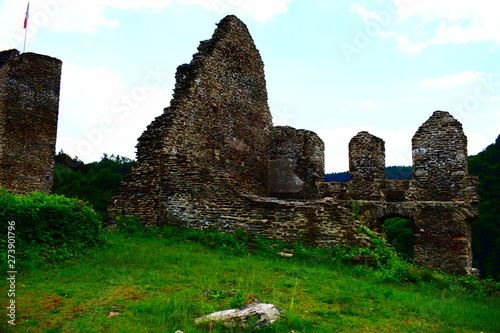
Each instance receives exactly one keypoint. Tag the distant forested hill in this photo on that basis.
(392, 172)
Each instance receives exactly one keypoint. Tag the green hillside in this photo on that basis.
(161, 280)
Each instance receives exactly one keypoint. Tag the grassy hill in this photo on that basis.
(160, 281)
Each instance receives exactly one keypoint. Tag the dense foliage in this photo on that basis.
(94, 182)
(486, 230)
(51, 227)
(399, 233)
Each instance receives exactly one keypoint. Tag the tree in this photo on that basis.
(486, 229)
(93, 182)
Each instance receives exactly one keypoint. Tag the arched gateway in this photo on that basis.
(214, 159)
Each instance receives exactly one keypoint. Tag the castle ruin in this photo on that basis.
(213, 159)
(29, 107)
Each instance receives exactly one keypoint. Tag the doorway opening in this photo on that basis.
(399, 233)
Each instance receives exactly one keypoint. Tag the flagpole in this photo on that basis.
(26, 25)
(25, 33)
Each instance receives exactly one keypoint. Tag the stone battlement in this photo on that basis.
(214, 160)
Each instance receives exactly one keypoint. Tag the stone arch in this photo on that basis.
(379, 213)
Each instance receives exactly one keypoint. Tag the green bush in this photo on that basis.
(50, 226)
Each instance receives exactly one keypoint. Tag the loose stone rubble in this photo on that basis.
(214, 160)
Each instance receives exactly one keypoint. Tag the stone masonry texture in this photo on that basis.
(214, 160)
(296, 162)
(29, 106)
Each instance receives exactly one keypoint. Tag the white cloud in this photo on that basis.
(452, 81)
(416, 99)
(460, 21)
(98, 115)
(337, 147)
(261, 10)
(364, 12)
(386, 34)
(397, 146)
(365, 105)
(63, 15)
(406, 46)
(477, 142)
(89, 16)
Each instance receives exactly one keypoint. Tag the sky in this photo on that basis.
(334, 67)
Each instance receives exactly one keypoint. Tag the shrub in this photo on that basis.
(130, 226)
(51, 226)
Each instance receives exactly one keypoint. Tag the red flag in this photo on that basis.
(27, 16)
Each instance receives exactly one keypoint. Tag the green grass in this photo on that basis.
(162, 283)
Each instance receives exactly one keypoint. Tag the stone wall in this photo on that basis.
(366, 166)
(29, 104)
(212, 138)
(213, 160)
(439, 149)
(296, 163)
(366, 157)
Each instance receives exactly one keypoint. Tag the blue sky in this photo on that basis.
(332, 66)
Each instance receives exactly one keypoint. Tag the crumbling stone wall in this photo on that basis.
(29, 106)
(213, 159)
(296, 163)
(213, 137)
(439, 149)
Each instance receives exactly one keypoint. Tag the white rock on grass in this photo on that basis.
(244, 316)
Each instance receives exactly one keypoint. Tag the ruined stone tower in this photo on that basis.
(213, 137)
(29, 104)
(214, 160)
